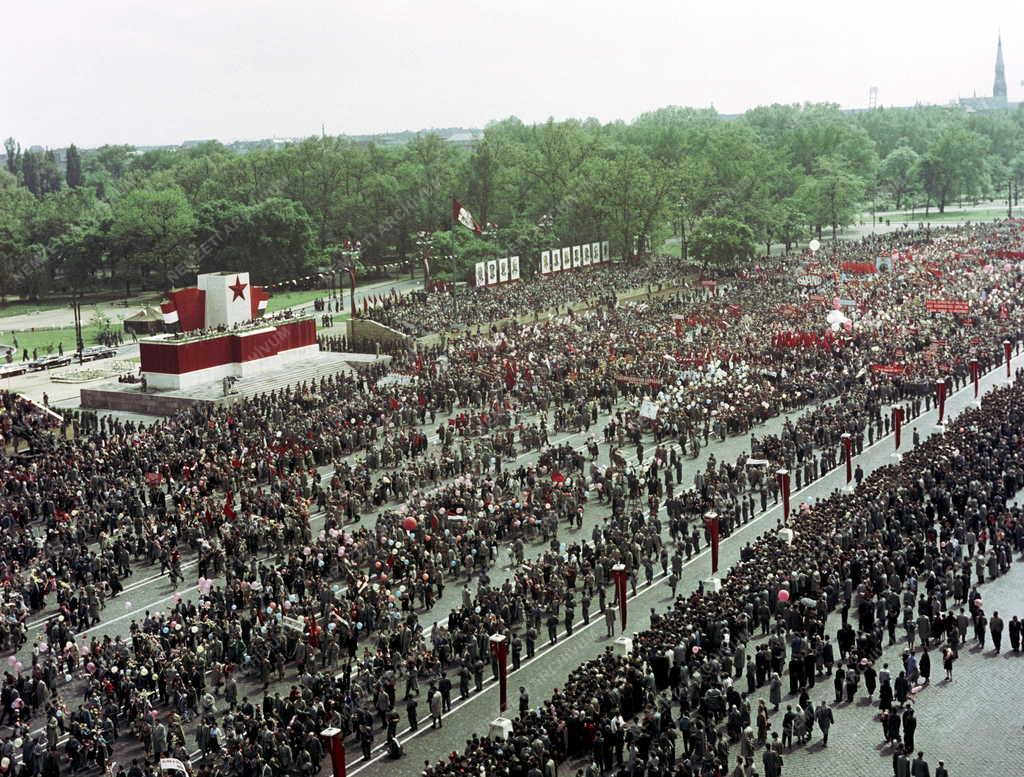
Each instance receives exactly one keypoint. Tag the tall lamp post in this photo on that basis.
(546, 224)
(489, 232)
(424, 242)
(681, 205)
(76, 308)
(347, 262)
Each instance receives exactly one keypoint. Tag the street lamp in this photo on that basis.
(348, 263)
(76, 309)
(424, 243)
(489, 231)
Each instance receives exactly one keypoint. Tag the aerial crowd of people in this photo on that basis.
(329, 543)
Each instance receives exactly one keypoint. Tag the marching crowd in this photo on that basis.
(238, 489)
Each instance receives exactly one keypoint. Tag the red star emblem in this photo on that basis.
(238, 289)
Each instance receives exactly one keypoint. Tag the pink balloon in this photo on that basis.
(18, 666)
(783, 595)
(90, 667)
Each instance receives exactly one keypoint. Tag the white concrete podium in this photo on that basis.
(623, 645)
(501, 728)
(786, 535)
(712, 585)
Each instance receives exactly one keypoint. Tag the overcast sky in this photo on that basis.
(150, 72)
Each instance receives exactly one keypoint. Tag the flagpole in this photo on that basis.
(451, 229)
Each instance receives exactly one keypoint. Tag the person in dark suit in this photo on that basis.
(1014, 627)
(909, 727)
(940, 770)
(919, 766)
(772, 762)
(900, 763)
(825, 720)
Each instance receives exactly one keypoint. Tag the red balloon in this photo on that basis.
(409, 523)
(783, 595)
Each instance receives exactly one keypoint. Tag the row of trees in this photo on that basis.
(116, 216)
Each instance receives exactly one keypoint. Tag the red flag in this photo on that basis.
(190, 305)
(229, 505)
(462, 215)
(712, 526)
(258, 301)
(170, 313)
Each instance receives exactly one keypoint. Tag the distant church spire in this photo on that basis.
(999, 88)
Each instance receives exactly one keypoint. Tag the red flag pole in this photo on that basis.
(782, 476)
(499, 649)
(974, 376)
(940, 393)
(619, 573)
(336, 746)
(1007, 345)
(711, 523)
(848, 448)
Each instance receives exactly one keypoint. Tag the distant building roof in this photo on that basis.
(985, 104)
(465, 136)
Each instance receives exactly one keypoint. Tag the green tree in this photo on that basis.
(273, 239)
(630, 193)
(30, 163)
(12, 151)
(954, 164)
(154, 229)
(111, 161)
(84, 248)
(786, 224)
(73, 165)
(896, 173)
(50, 177)
(16, 203)
(832, 195)
(719, 241)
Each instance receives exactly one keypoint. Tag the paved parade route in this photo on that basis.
(552, 664)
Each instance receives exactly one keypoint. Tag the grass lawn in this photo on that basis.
(46, 340)
(19, 308)
(288, 299)
(949, 215)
